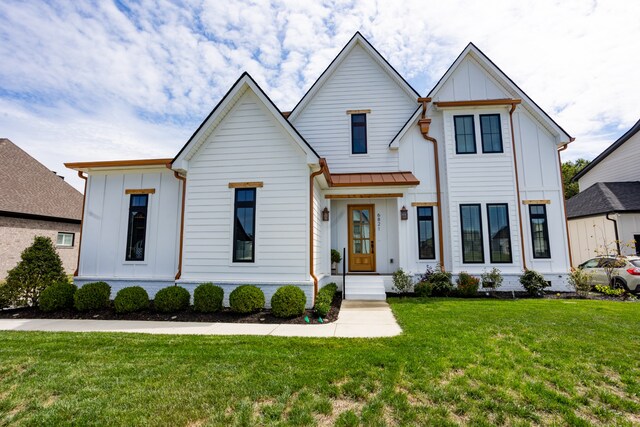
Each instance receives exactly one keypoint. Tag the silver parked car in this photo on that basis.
(625, 273)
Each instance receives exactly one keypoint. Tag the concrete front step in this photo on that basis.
(367, 288)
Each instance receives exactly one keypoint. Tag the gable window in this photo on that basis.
(137, 228)
(426, 243)
(491, 134)
(358, 134)
(465, 134)
(471, 226)
(539, 231)
(499, 233)
(65, 239)
(244, 225)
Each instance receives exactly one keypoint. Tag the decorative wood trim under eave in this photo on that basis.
(358, 111)
(118, 163)
(255, 184)
(140, 191)
(362, 196)
(536, 202)
(424, 204)
(477, 103)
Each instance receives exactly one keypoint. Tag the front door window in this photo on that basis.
(361, 236)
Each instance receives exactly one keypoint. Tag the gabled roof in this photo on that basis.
(27, 187)
(562, 136)
(613, 147)
(357, 40)
(244, 83)
(605, 197)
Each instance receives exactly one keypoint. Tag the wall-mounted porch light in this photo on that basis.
(325, 214)
(404, 213)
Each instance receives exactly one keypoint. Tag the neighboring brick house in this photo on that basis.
(34, 201)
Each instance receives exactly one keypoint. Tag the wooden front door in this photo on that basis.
(362, 237)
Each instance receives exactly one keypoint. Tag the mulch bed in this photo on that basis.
(508, 295)
(226, 315)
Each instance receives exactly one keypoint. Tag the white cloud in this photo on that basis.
(90, 81)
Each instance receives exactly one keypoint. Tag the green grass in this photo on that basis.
(479, 362)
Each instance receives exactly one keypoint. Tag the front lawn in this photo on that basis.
(481, 362)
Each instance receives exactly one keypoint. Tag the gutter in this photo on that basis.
(515, 165)
(84, 198)
(184, 192)
(424, 123)
(615, 229)
(323, 170)
(564, 201)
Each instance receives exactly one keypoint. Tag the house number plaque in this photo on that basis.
(379, 221)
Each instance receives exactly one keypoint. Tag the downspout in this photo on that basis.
(564, 201)
(323, 169)
(184, 192)
(84, 198)
(424, 123)
(515, 165)
(615, 229)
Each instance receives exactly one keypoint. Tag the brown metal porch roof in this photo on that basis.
(372, 179)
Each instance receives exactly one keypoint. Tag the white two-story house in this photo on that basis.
(466, 178)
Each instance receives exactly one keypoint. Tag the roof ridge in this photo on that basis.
(610, 196)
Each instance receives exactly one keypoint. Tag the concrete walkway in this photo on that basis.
(357, 319)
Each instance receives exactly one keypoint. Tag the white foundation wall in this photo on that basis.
(103, 247)
(249, 145)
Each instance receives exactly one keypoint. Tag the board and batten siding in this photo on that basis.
(248, 145)
(619, 166)
(359, 83)
(105, 226)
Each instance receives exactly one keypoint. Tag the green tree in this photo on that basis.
(569, 170)
(39, 267)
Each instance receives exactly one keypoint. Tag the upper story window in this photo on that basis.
(539, 231)
(137, 228)
(244, 225)
(465, 134)
(491, 134)
(426, 244)
(358, 134)
(65, 239)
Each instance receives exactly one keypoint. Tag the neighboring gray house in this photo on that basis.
(605, 215)
(34, 201)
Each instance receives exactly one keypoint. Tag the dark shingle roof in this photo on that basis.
(613, 147)
(28, 187)
(605, 197)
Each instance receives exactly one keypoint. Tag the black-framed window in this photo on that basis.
(358, 134)
(465, 134)
(137, 227)
(539, 231)
(471, 227)
(65, 239)
(491, 133)
(426, 242)
(244, 225)
(499, 233)
(636, 238)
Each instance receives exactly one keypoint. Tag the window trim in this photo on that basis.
(73, 239)
(235, 241)
(473, 133)
(432, 231)
(479, 206)
(366, 142)
(506, 205)
(146, 230)
(545, 231)
(499, 133)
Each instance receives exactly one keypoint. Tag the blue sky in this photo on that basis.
(119, 80)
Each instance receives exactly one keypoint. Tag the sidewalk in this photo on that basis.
(357, 319)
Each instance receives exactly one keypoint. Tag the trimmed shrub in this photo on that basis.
(57, 297)
(467, 285)
(246, 299)
(207, 298)
(492, 279)
(441, 283)
(172, 298)
(288, 301)
(534, 283)
(131, 299)
(92, 296)
(324, 298)
(401, 281)
(39, 268)
(423, 289)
